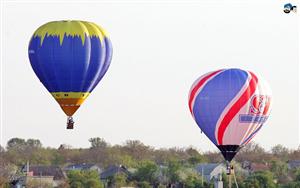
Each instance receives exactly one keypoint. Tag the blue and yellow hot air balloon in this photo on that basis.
(70, 58)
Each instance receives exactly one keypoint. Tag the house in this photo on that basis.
(254, 167)
(83, 166)
(110, 172)
(246, 165)
(50, 175)
(211, 171)
(114, 170)
(292, 164)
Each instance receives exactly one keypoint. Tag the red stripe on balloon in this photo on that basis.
(267, 107)
(197, 86)
(236, 107)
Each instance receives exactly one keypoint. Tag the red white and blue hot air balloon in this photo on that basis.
(230, 106)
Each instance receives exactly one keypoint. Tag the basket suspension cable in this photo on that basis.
(236, 184)
(234, 178)
(229, 181)
(230, 172)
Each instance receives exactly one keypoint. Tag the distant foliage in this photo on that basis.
(34, 183)
(280, 152)
(152, 166)
(193, 181)
(119, 180)
(260, 180)
(144, 184)
(98, 143)
(84, 179)
(174, 168)
(147, 171)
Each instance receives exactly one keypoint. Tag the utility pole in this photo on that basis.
(40, 179)
(218, 181)
(202, 176)
(27, 168)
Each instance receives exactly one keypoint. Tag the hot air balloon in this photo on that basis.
(70, 58)
(230, 106)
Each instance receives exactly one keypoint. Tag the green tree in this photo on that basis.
(84, 179)
(280, 170)
(137, 150)
(280, 151)
(195, 160)
(194, 156)
(4, 182)
(252, 183)
(57, 158)
(193, 181)
(7, 171)
(16, 143)
(263, 179)
(252, 152)
(127, 161)
(297, 174)
(98, 143)
(147, 171)
(144, 184)
(64, 185)
(20, 151)
(75, 177)
(93, 183)
(34, 143)
(119, 180)
(291, 185)
(173, 171)
(76, 184)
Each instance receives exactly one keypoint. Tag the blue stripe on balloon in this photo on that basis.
(70, 66)
(214, 97)
(107, 60)
(95, 64)
(37, 65)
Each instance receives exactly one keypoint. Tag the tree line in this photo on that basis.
(153, 166)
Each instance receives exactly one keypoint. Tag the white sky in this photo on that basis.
(160, 48)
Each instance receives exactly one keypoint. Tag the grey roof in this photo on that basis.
(294, 163)
(207, 168)
(54, 171)
(83, 166)
(113, 170)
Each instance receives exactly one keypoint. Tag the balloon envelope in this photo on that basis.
(230, 106)
(70, 58)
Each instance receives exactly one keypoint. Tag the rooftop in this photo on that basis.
(39, 170)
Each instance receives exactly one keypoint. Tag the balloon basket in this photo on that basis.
(70, 123)
(229, 168)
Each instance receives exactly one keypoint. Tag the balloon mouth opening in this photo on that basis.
(229, 151)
